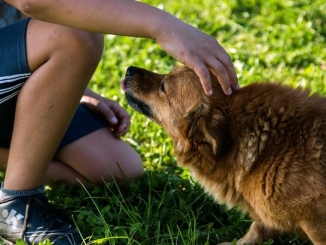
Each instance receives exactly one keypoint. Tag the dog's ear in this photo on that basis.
(205, 129)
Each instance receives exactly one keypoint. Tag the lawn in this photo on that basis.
(275, 40)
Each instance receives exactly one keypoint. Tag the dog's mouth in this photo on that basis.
(139, 105)
(135, 103)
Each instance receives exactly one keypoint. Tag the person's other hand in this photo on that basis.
(117, 117)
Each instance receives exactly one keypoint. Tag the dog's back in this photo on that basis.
(279, 123)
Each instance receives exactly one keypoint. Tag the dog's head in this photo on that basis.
(177, 102)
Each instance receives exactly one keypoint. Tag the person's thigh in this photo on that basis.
(101, 156)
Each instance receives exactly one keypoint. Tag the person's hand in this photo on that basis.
(117, 117)
(201, 53)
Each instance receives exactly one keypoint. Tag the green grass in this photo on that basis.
(275, 40)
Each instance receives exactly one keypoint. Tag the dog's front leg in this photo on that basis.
(257, 233)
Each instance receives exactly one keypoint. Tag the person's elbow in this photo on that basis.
(28, 7)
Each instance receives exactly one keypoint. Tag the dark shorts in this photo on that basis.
(14, 72)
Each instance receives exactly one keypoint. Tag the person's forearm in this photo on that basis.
(120, 17)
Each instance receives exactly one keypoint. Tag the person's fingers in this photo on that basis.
(204, 76)
(107, 112)
(122, 117)
(118, 118)
(219, 63)
(120, 113)
(123, 128)
(225, 60)
(219, 70)
(99, 107)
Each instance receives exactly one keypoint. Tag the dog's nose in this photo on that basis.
(130, 71)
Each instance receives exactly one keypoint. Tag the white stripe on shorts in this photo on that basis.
(6, 80)
(8, 97)
(13, 78)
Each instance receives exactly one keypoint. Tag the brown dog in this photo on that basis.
(261, 149)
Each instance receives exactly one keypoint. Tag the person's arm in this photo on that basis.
(131, 18)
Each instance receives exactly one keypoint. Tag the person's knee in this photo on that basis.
(86, 46)
(93, 43)
(129, 169)
(66, 45)
(136, 168)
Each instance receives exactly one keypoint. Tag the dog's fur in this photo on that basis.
(261, 149)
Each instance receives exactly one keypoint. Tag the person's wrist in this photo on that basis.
(164, 26)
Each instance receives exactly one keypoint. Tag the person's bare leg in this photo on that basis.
(62, 61)
(100, 157)
(60, 173)
(57, 171)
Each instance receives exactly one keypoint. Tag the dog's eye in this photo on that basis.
(162, 87)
